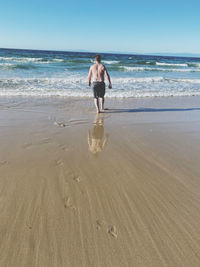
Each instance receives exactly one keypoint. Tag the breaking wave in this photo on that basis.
(77, 87)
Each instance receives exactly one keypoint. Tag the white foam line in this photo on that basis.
(171, 64)
(130, 69)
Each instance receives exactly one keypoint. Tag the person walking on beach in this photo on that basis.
(97, 72)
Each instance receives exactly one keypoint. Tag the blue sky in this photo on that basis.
(125, 26)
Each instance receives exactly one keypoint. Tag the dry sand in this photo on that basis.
(118, 189)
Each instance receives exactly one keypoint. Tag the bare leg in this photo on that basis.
(101, 103)
(96, 102)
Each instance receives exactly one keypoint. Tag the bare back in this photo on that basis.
(98, 71)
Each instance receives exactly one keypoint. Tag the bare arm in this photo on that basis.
(90, 76)
(108, 78)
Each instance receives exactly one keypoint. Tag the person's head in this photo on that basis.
(98, 58)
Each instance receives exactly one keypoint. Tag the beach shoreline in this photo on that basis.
(58, 73)
(116, 189)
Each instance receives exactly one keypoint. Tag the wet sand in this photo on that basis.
(116, 189)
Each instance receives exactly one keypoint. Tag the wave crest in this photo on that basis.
(172, 64)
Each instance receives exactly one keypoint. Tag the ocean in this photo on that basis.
(55, 73)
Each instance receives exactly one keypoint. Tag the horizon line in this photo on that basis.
(173, 54)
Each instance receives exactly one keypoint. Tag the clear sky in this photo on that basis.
(143, 26)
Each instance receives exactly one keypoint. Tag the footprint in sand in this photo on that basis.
(68, 204)
(29, 225)
(113, 231)
(77, 179)
(3, 162)
(27, 145)
(59, 162)
(74, 177)
(100, 224)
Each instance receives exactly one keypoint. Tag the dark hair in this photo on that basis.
(98, 58)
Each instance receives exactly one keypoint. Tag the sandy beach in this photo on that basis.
(116, 189)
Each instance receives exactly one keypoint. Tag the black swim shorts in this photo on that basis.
(98, 89)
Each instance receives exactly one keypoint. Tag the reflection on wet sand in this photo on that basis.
(96, 140)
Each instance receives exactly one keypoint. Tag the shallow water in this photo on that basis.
(51, 73)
